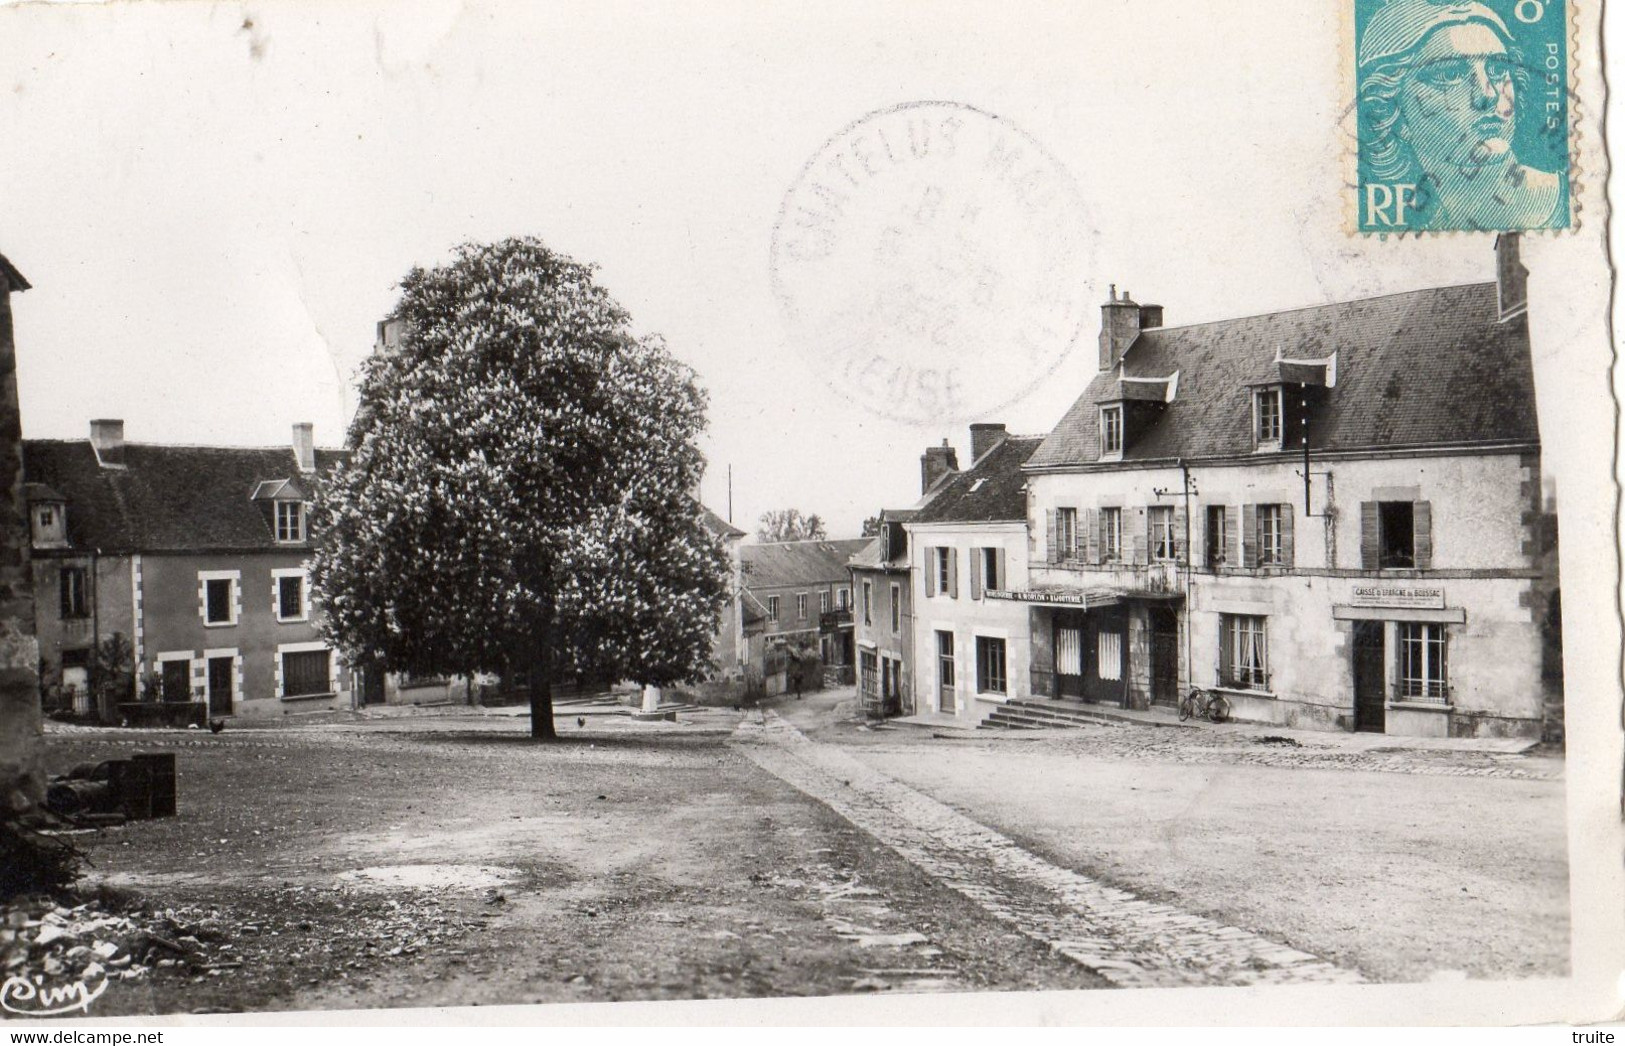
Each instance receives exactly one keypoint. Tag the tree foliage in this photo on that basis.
(790, 525)
(871, 526)
(519, 488)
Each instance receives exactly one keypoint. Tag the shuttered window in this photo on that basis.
(1111, 535)
(1066, 534)
(1163, 549)
(1218, 540)
(305, 672)
(1396, 535)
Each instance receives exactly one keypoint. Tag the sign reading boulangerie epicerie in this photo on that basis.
(1410, 597)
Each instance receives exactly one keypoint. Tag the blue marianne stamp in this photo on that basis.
(1463, 115)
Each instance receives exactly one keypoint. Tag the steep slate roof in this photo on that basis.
(1413, 369)
(718, 526)
(992, 490)
(784, 564)
(166, 498)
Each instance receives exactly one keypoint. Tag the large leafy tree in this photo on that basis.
(519, 488)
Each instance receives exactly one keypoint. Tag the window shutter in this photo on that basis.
(953, 572)
(1141, 534)
(1287, 549)
(1091, 537)
(977, 568)
(930, 571)
(1422, 534)
(1370, 533)
(1232, 539)
(1249, 536)
(1001, 581)
(1180, 519)
(1051, 520)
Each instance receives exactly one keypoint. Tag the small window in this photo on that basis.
(290, 521)
(1066, 533)
(896, 609)
(219, 604)
(823, 602)
(773, 608)
(868, 603)
(1422, 662)
(991, 581)
(1243, 652)
(290, 598)
(1268, 414)
(74, 600)
(945, 566)
(1218, 535)
(990, 666)
(1271, 549)
(1163, 548)
(801, 606)
(1396, 524)
(47, 518)
(1111, 430)
(1111, 534)
(305, 673)
(843, 598)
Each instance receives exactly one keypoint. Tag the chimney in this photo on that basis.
(1121, 320)
(304, 446)
(1511, 277)
(935, 463)
(107, 439)
(984, 436)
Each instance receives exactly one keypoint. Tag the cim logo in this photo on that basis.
(37, 999)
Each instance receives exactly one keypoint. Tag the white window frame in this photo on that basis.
(234, 603)
(1164, 544)
(1431, 682)
(1268, 438)
(190, 657)
(1271, 546)
(772, 608)
(801, 606)
(823, 602)
(277, 577)
(1066, 532)
(843, 597)
(303, 520)
(305, 648)
(1111, 431)
(1237, 629)
(1111, 534)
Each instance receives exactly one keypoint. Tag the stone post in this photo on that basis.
(22, 784)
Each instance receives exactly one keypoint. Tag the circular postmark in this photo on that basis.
(931, 260)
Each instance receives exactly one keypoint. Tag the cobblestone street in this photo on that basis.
(1129, 941)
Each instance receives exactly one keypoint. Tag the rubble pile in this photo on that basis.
(40, 938)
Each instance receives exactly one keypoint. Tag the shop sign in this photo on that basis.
(1404, 597)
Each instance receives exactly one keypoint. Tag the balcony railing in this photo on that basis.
(832, 620)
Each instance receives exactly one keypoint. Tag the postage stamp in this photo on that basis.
(1463, 114)
(932, 262)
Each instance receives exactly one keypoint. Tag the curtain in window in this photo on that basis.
(1111, 655)
(1069, 651)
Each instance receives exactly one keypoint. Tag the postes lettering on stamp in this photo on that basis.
(1463, 115)
(931, 261)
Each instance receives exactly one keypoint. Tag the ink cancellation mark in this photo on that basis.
(931, 261)
(1463, 114)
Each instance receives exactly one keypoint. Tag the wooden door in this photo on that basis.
(1107, 640)
(1370, 677)
(1164, 656)
(945, 672)
(220, 672)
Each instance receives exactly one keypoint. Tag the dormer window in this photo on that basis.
(1267, 418)
(1111, 431)
(290, 521)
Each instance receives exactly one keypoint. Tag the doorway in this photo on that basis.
(1069, 655)
(220, 672)
(945, 673)
(176, 680)
(1164, 656)
(1370, 677)
(1105, 638)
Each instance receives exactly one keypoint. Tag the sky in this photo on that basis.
(215, 202)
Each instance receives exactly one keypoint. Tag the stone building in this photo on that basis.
(796, 606)
(21, 782)
(195, 558)
(1333, 515)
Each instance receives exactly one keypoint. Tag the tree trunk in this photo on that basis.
(541, 685)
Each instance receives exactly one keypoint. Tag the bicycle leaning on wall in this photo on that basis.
(1204, 703)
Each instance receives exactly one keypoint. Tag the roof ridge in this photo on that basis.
(1320, 305)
